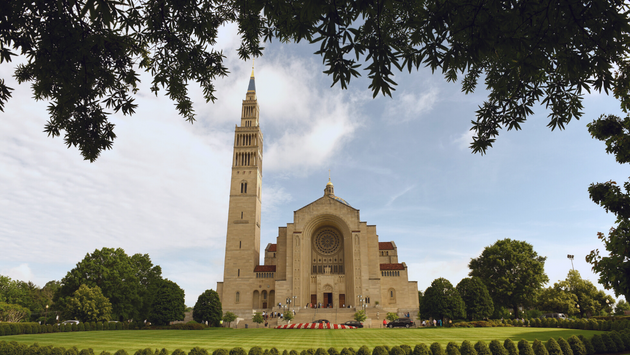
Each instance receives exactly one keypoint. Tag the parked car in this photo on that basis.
(321, 321)
(70, 321)
(556, 315)
(400, 322)
(353, 323)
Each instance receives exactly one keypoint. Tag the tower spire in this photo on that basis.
(252, 82)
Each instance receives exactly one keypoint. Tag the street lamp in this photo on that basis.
(46, 320)
(571, 257)
(294, 297)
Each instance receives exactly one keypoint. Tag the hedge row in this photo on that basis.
(612, 342)
(586, 324)
(35, 328)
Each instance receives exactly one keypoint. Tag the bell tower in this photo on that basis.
(242, 249)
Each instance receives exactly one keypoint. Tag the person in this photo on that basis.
(384, 323)
(434, 323)
(266, 324)
(424, 323)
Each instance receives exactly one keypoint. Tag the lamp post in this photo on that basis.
(294, 297)
(46, 320)
(571, 257)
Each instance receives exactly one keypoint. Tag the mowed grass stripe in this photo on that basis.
(291, 339)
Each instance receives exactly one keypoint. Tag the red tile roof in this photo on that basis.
(272, 247)
(385, 246)
(265, 268)
(392, 267)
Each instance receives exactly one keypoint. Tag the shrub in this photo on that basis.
(524, 348)
(379, 350)
(87, 351)
(451, 349)
(216, 352)
(364, 350)
(199, 351)
(238, 351)
(566, 349)
(332, 351)
(587, 345)
(293, 352)
(397, 350)
(509, 345)
(626, 339)
(482, 348)
(408, 350)
(256, 350)
(576, 345)
(553, 347)
(467, 348)
(421, 349)
(274, 351)
(344, 351)
(123, 352)
(609, 343)
(618, 341)
(285, 352)
(71, 351)
(539, 348)
(146, 351)
(496, 348)
(436, 349)
(598, 344)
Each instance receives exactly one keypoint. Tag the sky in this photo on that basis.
(404, 162)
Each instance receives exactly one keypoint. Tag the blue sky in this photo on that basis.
(403, 161)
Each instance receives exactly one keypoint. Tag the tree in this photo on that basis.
(88, 304)
(391, 316)
(258, 318)
(288, 315)
(477, 301)
(126, 282)
(13, 312)
(229, 317)
(590, 300)
(552, 299)
(614, 269)
(168, 303)
(83, 54)
(360, 316)
(621, 307)
(208, 309)
(442, 300)
(512, 271)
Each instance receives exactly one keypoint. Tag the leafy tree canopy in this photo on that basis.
(442, 300)
(128, 282)
(391, 316)
(168, 303)
(88, 304)
(84, 55)
(258, 318)
(621, 307)
(229, 317)
(551, 299)
(477, 301)
(208, 309)
(613, 269)
(512, 271)
(360, 316)
(591, 301)
(13, 312)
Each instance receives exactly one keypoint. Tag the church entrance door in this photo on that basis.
(264, 305)
(314, 300)
(342, 300)
(328, 300)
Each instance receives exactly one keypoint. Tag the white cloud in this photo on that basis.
(464, 140)
(22, 272)
(407, 106)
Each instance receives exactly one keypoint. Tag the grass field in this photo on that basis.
(296, 339)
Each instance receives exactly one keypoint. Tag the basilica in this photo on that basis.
(325, 259)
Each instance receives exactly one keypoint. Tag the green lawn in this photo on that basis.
(297, 339)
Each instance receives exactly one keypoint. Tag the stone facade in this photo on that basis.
(325, 258)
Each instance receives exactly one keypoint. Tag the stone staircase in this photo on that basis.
(306, 315)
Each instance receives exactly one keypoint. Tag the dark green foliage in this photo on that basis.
(452, 349)
(496, 348)
(436, 349)
(274, 351)
(238, 351)
(611, 347)
(509, 345)
(332, 351)
(168, 303)
(396, 350)
(421, 349)
(598, 344)
(218, 352)
(255, 350)
(587, 345)
(625, 337)
(524, 348)
(344, 351)
(477, 301)
(319, 351)
(482, 348)
(208, 309)
(199, 351)
(618, 341)
(539, 348)
(512, 271)
(293, 352)
(380, 350)
(442, 300)
(553, 347)
(467, 348)
(408, 350)
(285, 352)
(88, 351)
(566, 349)
(71, 351)
(576, 345)
(145, 351)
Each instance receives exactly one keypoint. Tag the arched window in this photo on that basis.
(243, 187)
